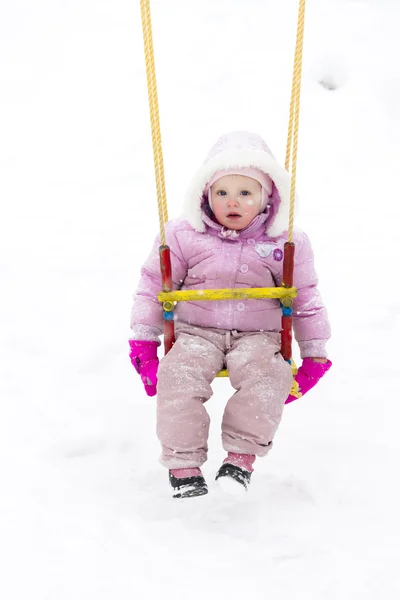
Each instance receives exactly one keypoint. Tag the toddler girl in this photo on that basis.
(231, 235)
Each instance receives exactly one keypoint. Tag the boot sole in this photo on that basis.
(191, 493)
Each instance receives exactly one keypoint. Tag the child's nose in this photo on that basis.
(232, 200)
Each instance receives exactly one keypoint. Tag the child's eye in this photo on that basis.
(245, 193)
(221, 193)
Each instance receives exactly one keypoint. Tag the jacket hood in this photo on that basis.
(236, 150)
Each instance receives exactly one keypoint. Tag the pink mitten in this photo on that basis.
(308, 375)
(143, 356)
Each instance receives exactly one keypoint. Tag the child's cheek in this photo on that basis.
(249, 204)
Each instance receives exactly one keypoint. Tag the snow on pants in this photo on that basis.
(258, 373)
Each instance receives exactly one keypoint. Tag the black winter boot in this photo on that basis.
(188, 487)
(233, 479)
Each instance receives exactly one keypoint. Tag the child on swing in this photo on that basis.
(231, 235)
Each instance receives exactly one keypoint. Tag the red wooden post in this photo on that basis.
(288, 264)
(286, 337)
(166, 276)
(286, 333)
(166, 271)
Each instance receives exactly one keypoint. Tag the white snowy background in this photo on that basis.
(85, 509)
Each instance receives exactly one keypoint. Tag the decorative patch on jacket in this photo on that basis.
(278, 254)
(264, 250)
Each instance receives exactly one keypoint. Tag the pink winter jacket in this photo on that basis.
(207, 256)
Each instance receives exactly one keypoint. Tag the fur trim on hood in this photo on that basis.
(236, 150)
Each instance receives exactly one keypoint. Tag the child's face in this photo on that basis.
(236, 200)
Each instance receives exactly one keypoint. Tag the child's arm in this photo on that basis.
(310, 319)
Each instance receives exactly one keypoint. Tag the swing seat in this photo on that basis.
(223, 373)
(285, 294)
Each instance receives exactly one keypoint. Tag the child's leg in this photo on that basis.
(184, 384)
(263, 381)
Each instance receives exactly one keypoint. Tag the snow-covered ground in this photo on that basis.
(85, 511)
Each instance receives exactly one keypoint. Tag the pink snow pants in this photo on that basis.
(258, 373)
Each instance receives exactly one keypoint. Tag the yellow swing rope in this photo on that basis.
(154, 117)
(294, 116)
